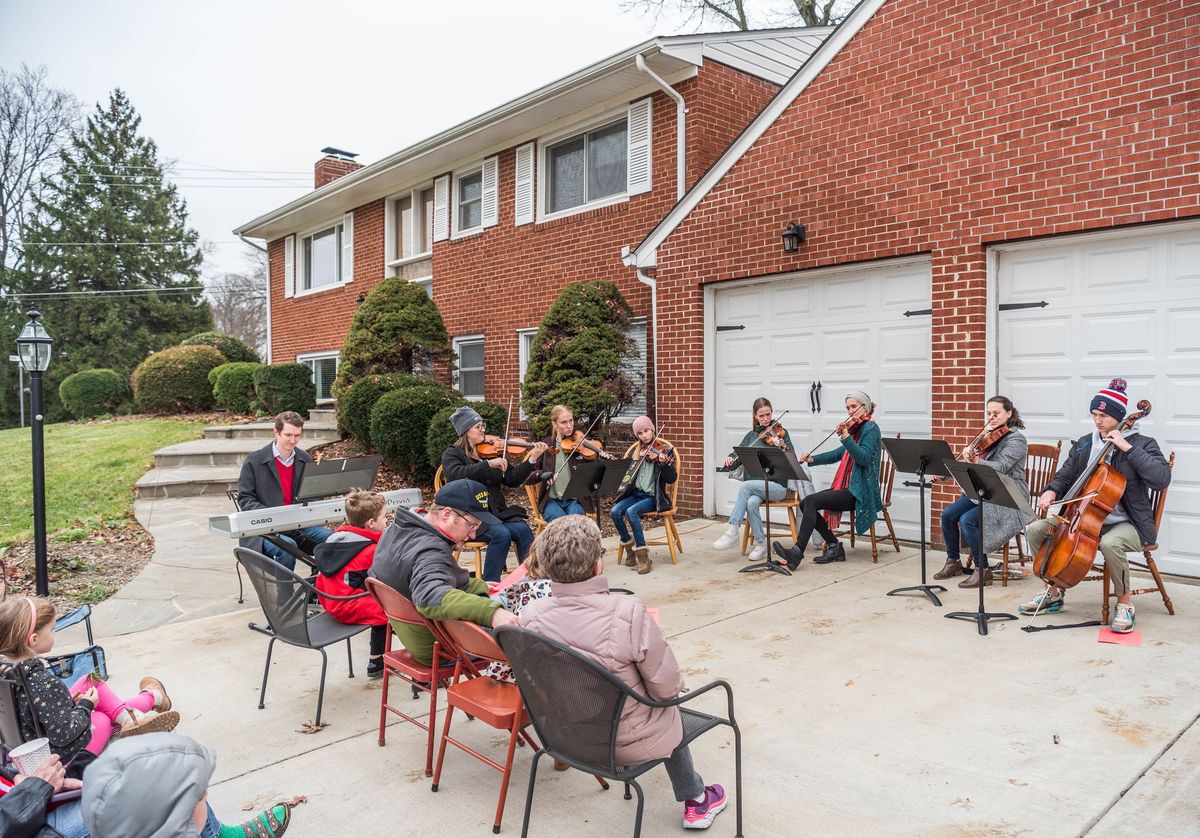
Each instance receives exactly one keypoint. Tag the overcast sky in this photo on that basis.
(263, 85)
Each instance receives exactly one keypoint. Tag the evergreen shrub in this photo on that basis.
(232, 348)
(356, 401)
(400, 426)
(93, 392)
(280, 387)
(233, 385)
(175, 380)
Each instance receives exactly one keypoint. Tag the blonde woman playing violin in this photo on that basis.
(764, 431)
(855, 487)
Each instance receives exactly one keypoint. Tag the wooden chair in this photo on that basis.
(1040, 468)
(790, 502)
(1158, 499)
(887, 479)
(477, 546)
(536, 522)
(672, 540)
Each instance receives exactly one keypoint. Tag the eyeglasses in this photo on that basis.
(471, 523)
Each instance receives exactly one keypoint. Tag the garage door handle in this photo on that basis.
(812, 397)
(730, 328)
(818, 397)
(1015, 306)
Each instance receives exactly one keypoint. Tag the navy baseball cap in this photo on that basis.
(467, 496)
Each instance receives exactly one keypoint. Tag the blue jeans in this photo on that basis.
(633, 506)
(67, 820)
(558, 508)
(499, 537)
(317, 534)
(212, 826)
(962, 515)
(749, 499)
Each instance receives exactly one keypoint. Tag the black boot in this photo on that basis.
(834, 552)
(792, 555)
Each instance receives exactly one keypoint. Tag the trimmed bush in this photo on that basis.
(233, 385)
(92, 392)
(175, 380)
(441, 432)
(400, 425)
(280, 387)
(234, 350)
(355, 404)
(396, 329)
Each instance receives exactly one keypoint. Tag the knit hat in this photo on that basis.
(642, 423)
(464, 419)
(862, 398)
(1112, 399)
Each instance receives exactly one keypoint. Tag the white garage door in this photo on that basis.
(844, 329)
(1121, 304)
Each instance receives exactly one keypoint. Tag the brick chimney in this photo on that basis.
(333, 165)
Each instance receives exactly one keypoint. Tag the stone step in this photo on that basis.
(323, 415)
(187, 481)
(215, 452)
(314, 432)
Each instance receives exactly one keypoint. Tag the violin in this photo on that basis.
(658, 452)
(588, 449)
(492, 447)
(773, 433)
(986, 438)
(1066, 558)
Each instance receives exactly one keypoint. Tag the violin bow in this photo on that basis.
(507, 428)
(558, 470)
(834, 431)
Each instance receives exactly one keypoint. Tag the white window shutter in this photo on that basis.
(639, 147)
(523, 190)
(289, 266)
(441, 208)
(489, 203)
(348, 247)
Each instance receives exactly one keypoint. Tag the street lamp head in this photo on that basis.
(33, 344)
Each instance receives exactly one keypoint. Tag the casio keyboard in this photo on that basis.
(311, 514)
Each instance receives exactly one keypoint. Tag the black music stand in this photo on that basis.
(595, 479)
(920, 457)
(990, 486)
(769, 463)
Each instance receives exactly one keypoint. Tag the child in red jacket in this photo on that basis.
(343, 561)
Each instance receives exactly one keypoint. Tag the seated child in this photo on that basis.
(81, 719)
(525, 584)
(619, 634)
(343, 561)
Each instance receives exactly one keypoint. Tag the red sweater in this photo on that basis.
(286, 473)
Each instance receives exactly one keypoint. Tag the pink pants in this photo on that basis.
(108, 707)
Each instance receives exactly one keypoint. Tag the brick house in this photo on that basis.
(496, 215)
(998, 196)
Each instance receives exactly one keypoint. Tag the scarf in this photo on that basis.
(841, 480)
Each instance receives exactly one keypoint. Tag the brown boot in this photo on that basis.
(642, 555)
(629, 560)
(151, 683)
(953, 568)
(973, 580)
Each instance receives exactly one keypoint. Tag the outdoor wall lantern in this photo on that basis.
(33, 347)
(792, 236)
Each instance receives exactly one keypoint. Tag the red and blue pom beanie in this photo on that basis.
(1112, 399)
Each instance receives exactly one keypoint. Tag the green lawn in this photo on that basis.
(90, 472)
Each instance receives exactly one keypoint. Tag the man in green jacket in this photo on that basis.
(416, 557)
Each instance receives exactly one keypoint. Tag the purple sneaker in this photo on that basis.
(700, 815)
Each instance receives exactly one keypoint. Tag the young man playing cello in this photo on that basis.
(1130, 525)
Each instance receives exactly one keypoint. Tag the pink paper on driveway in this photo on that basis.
(1129, 638)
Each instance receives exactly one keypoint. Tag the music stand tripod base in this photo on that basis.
(919, 457)
(928, 590)
(766, 464)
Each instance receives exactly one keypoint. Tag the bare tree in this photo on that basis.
(239, 302)
(36, 122)
(698, 14)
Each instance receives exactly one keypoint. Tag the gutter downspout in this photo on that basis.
(680, 133)
(649, 282)
(266, 290)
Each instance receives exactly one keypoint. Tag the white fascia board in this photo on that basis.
(791, 91)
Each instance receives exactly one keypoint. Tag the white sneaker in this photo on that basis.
(760, 550)
(1123, 621)
(727, 540)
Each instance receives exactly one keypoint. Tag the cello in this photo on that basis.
(1068, 555)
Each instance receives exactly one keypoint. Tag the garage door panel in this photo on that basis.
(740, 306)
(1041, 399)
(792, 354)
(1126, 268)
(846, 347)
(904, 344)
(1116, 336)
(905, 289)
(1033, 275)
(1182, 403)
(1036, 338)
(793, 301)
(1184, 261)
(902, 400)
(744, 355)
(1183, 335)
(848, 297)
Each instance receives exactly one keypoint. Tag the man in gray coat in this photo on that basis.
(271, 477)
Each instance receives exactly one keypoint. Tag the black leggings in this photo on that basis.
(810, 513)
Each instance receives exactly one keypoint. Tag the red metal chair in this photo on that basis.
(401, 664)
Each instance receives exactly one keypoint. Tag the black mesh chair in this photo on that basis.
(576, 707)
(294, 550)
(284, 597)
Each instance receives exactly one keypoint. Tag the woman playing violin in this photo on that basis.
(764, 430)
(855, 486)
(559, 461)
(1004, 448)
(1130, 526)
(652, 471)
(462, 460)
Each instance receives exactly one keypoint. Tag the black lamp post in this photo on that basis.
(33, 347)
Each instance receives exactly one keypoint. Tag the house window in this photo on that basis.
(587, 167)
(324, 369)
(470, 366)
(469, 201)
(635, 368)
(322, 255)
(412, 215)
(524, 353)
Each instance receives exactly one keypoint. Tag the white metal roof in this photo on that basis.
(774, 55)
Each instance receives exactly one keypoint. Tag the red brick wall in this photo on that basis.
(328, 169)
(943, 127)
(506, 278)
